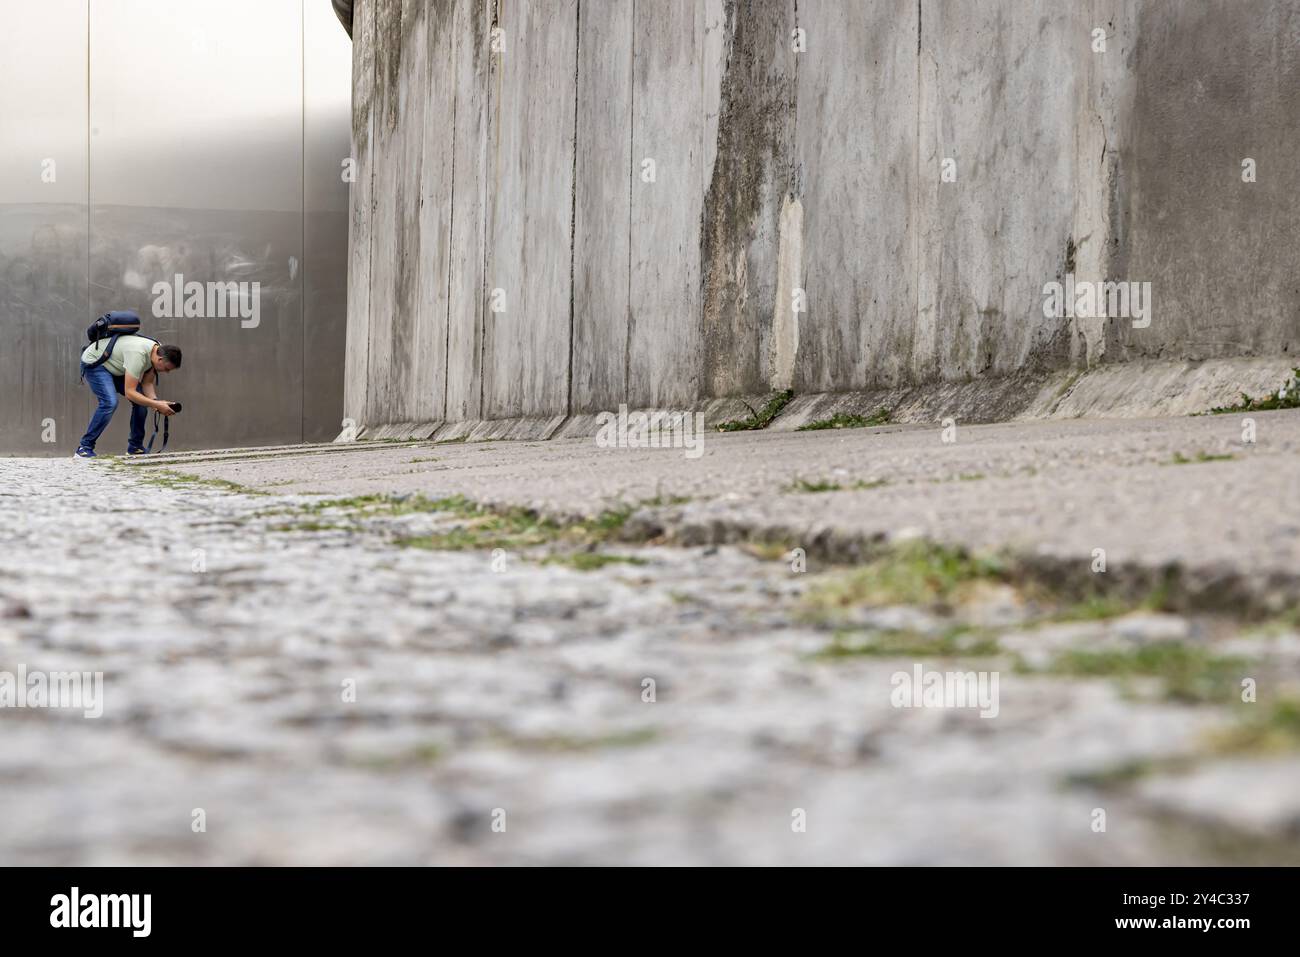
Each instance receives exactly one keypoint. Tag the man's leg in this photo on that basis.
(139, 413)
(101, 384)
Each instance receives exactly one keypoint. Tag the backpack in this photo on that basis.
(112, 325)
(119, 322)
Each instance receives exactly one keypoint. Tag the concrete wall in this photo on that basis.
(568, 204)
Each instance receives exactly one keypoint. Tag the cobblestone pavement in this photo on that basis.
(325, 695)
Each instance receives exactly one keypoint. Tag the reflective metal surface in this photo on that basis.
(43, 249)
(214, 134)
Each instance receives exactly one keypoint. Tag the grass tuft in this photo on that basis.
(1180, 459)
(958, 641)
(915, 573)
(1272, 729)
(846, 420)
(760, 418)
(1287, 397)
(1191, 674)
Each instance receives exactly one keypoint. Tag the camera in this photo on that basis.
(176, 406)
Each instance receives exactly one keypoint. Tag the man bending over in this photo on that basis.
(131, 370)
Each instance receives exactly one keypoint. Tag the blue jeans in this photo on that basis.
(107, 387)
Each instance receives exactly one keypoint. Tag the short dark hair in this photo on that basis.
(172, 354)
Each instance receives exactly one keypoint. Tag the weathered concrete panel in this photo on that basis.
(1003, 108)
(391, 279)
(530, 209)
(471, 24)
(670, 102)
(855, 149)
(356, 386)
(404, 323)
(1217, 82)
(427, 351)
(602, 210)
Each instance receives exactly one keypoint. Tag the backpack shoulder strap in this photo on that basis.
(104, 356)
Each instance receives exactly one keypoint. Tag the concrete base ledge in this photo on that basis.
(1118, 390)
(1141, 389)
(1138, 389)
(1147, 389)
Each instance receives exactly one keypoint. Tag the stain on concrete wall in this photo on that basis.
(662, 201)
(751, 179)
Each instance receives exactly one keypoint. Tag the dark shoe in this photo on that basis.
(136, 452)
(84, 453)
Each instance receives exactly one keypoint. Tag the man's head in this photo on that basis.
(166, 358)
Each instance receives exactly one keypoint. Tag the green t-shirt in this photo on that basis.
(131, 354)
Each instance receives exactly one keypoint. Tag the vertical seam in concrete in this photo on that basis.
(794, 102)
(88, 313)
(451, 214)
(1074, 198)
(88, 202)
(573, 201)
(302, 250)
(631, 162)
(487, 144)
(370, 212)
(920, 193)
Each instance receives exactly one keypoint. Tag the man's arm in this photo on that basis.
(131, 388)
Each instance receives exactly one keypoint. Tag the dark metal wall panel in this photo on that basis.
(191, 139)
(43, 249)
(327, 72)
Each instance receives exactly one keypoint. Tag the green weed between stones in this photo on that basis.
(1271, 729)
(825, 485)
(957, 642)
(1287, 397)
(660, 501)
(591, 561)
(379, 505)
(760, 418)
(1180, 459)
(846, 420)
(1190, 674)
(944, 579)
(915, 573)
(633, 738)
(167, 478)
(517, 528)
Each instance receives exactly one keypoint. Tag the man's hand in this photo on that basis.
(163, 407)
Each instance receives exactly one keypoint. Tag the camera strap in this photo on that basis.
(166, 431)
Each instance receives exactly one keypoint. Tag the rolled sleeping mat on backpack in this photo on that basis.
(117, 322)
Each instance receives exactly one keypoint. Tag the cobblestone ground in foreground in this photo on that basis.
(228, 626)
